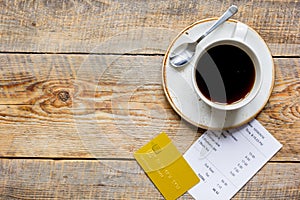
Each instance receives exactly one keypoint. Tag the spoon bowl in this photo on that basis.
(183, 54)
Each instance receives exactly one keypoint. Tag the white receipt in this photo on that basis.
(226, 160)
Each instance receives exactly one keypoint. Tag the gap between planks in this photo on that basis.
(105, 159)
(105, 54)
(67, 159)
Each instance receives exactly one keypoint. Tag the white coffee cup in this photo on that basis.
(237, 40)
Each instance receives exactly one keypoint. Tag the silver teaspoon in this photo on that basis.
(184, 53)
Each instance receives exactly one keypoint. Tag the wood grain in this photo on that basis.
(105, 179)
(81, 80)
(281, 114)
(86, 26)
(107, 106)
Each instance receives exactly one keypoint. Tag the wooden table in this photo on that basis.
(81, 90)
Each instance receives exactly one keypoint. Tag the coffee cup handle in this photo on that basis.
(241, 31)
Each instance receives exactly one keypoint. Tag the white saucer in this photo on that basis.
(177, 82)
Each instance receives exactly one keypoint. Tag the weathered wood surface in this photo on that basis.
(82, 79)
(82, 26)
(108, 106)
(104, 179)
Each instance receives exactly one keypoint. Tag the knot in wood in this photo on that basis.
(64, 96)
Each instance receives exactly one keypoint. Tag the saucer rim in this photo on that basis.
(182, 115)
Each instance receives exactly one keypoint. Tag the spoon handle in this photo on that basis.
(229, 13)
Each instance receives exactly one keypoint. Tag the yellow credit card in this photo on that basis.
(166, 167)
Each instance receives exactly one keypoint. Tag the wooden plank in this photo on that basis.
(86, 26)
(281, 115)
(104, 179)
(108, 106)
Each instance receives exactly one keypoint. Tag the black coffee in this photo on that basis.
(225, 74)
